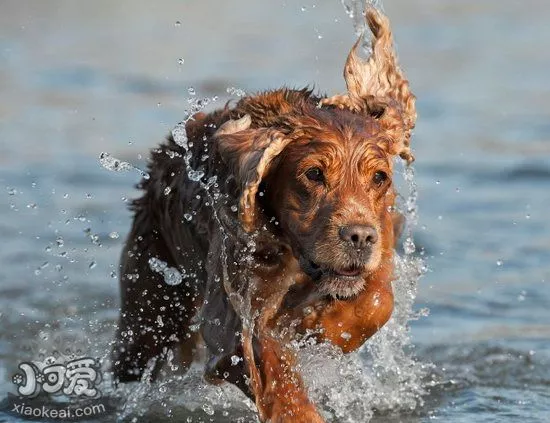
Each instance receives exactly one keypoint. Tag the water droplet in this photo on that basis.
(180, 136)
(113, 235)
(92, 265)
(110, 163)
(408, 246)
(167, 190)
(235, 359)
(211, 182)
(236, 92)
(187, 217)
(307, 310)
(208, 409)
(11, 191)
(438, 182)
(346, 336)
(181, 61)
(191, 91)
(178, 23)
(195, 175)
(499, 262)
(234, 208)
(528, 216)
(171, 275)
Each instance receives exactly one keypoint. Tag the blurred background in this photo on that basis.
(80, 78)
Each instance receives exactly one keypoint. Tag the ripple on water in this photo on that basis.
(491, 381)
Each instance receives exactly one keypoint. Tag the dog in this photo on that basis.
(275, 221)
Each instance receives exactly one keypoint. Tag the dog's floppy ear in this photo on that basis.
(250, 153)
(376, 86)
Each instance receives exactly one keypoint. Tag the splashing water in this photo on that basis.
(171, 275)
(187, 398)
(355, 9)
(240, 300)
(383, 375)
(139, 400)
(236, 92)
(117, 165)
(395, 367)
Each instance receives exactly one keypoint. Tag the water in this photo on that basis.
(479, 69)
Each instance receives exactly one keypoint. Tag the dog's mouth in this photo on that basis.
(316, 271)
(338, 282)
(352, 271)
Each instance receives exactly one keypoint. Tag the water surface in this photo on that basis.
(78, 79)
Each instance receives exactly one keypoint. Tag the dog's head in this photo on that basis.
(323, 167)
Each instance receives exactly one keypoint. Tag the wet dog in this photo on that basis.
(266, 221)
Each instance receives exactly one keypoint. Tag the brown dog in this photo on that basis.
(294, 235)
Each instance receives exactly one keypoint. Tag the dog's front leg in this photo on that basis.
(278, 388)
(281, 396)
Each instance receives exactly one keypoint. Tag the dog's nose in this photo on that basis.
(360, 236)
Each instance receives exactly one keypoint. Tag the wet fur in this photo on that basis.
(161, 231)
(259, 156)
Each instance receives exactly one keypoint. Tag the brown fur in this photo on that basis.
(262, 276)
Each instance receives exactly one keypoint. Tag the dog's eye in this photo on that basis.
(380, 177)
(315, 174)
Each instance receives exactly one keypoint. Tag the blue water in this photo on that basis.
(80, 79)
